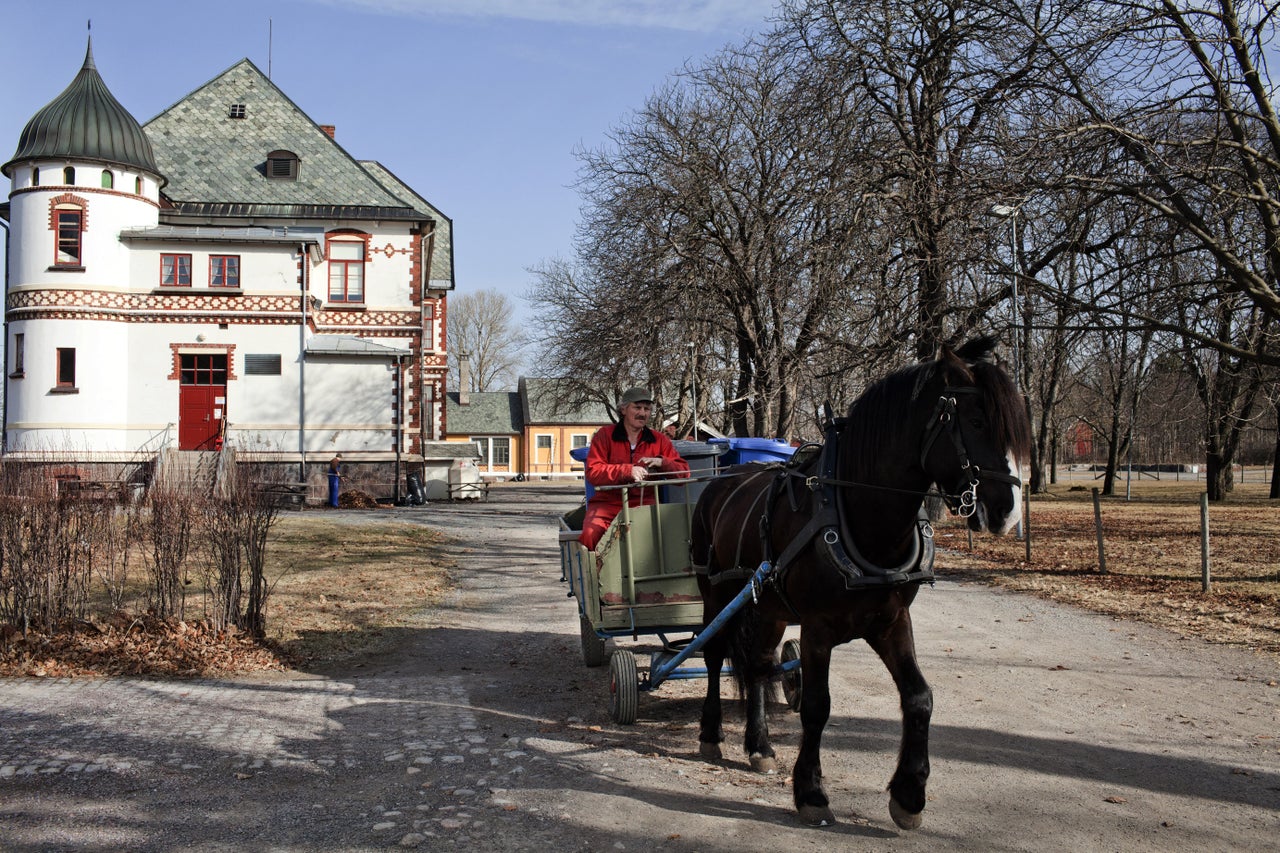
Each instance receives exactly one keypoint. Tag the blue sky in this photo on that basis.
(476, 104)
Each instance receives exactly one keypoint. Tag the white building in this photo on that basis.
(224, 275)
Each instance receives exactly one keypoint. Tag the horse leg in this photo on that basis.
(815, 708)
(711, 731)
(896, 647)
(758, 658)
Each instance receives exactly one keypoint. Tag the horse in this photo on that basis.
(837, 541)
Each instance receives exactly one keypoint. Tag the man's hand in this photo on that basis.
(639, 472)
(653, 463)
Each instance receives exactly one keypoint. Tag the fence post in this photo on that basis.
(1097, 523)
(1204, 541)
(1026, 522)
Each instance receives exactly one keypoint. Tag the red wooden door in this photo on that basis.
(201, 400)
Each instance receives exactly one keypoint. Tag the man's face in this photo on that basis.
(636, 415)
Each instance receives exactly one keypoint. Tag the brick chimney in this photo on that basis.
(330, 129)
(464, 379)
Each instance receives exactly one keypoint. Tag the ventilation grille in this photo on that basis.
(236, 111)
(261, 364)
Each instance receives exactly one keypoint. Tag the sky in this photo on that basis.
(478, 105)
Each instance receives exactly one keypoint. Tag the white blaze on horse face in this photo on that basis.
(1015, 515)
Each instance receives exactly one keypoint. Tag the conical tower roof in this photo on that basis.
(85, 122)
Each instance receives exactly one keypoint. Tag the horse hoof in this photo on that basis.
(903, 818)
(763, 763)
(709, 751)
(817, 815)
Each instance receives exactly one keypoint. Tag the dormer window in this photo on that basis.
(236, 111)
(282, 166)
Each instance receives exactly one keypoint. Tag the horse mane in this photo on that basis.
(877, 419)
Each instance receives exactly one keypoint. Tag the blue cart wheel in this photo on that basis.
(624, 687)
(792, 680)
(594, 652)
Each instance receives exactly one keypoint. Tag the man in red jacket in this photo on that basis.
(628, 452)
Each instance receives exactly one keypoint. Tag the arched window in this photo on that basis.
(108, 180)
(69, 226)
(35, 176)
(137, 186)
(282, 165)
(69, 175)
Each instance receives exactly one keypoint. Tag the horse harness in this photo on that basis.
(827, 526)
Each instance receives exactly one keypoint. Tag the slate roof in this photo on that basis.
(542, 405)
(487, 413)
(85, 122)
(212, 159)
(442, 259)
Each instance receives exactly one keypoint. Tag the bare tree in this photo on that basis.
(481, 324)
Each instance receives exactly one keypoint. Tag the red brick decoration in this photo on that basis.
(178, 349)
(66, 200)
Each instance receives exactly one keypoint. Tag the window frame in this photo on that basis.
(108, 179)
(69, 175)
(278, 158)
(19, 355)
(61, 239)
(226, 263)
(65, 368)
(500, 451)
(346, 266)
(177, 258)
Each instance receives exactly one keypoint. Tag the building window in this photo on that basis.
(502, 451)
(224, 270)
(137, 186)
(579, 440)
(19, 355)
(346, 270)
(175, 270)
(69, 175)
(35, 176)
(66, 367)
(203, 368)
(108, 180)
(70, 225)
(282, 166)
(236, 111)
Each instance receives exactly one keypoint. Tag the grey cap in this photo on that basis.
(636, 395)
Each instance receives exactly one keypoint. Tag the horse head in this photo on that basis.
(976, 436)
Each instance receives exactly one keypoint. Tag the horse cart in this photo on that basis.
(639, 581)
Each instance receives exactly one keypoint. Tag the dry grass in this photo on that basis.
(1153, 558)
(337, 591)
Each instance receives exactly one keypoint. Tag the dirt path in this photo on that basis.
(1053, 729)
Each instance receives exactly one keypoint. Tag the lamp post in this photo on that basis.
(693, 385)
(1005, 211)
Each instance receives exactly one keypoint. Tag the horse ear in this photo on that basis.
(978, 349)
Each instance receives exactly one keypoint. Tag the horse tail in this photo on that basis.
(750, 661)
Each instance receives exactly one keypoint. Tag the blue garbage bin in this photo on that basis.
(741, 450)
(333, 489)
(580, 455)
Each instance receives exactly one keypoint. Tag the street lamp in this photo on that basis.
(693, 385)
(1005, 211)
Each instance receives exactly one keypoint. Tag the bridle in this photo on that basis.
(963, 498)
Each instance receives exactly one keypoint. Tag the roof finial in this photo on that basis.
(88, 52)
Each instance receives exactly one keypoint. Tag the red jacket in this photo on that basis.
(610, 460)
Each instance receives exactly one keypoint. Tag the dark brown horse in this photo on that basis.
(843, 532)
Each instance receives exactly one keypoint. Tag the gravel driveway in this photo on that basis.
(1053, 730)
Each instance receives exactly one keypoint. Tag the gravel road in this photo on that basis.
(1054, 729)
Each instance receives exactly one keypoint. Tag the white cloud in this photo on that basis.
(693, 15)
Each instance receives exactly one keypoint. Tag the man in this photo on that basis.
(628, 452)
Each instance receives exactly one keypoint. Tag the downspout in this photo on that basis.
(4, 419)
(302, 366)
(399, 424)
(423, 427)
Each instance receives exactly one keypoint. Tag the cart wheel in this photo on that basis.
(792, 680)
(594, 652)
(624, 687)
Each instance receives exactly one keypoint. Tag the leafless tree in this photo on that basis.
(482, 325)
